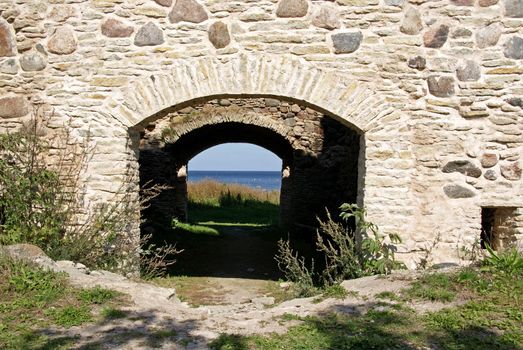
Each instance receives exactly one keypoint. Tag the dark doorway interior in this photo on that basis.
(320, 165)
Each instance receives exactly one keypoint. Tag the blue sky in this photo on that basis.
(236, 156)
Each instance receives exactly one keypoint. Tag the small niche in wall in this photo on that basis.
(498, 226)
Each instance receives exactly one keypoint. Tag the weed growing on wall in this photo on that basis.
(348, 254)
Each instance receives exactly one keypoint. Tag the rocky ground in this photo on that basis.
(158, 319)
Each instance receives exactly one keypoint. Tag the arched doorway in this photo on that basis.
(319, 155)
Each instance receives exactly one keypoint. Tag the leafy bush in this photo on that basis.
(376, 256)
(35, 200)
(41, 200)
(348, 254)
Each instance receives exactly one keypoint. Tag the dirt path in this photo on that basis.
(222, 291)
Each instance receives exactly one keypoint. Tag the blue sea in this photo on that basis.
(266, 180)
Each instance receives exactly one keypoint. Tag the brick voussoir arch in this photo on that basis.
(332, 92)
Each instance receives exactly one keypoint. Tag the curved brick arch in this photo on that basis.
(337, 94)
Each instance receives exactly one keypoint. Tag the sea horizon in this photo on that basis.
(268, 180)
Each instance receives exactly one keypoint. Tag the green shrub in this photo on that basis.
(348, 254)
(41, 199)
(32, 199)
(376, 256)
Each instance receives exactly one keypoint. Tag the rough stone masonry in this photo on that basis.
(433, 88)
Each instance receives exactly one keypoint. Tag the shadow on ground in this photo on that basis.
(142, 330)
(235, 252)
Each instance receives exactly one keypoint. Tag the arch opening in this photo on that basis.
(320, 157)
(240, 185)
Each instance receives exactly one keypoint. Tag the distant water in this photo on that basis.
(266, 180)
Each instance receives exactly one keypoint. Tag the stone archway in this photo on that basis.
(327, 90)
(319, 155)
(147, 99)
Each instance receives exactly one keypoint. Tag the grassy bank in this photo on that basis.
(484, 311)
(34, 300)
(215, 193)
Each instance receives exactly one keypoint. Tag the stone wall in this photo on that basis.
(506, 228)
(434, 86)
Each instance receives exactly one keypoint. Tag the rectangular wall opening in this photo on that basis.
(499, 227)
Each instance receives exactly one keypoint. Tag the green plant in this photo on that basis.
(509, 261)
(229, 342)
(33, 299)
(336, 291)
(387, 295)
(154, 259)
(192, 228)
(342, 260)
(110, 313)
(433, 287)
(295, 269)
(36, 182)
(376, 256)
(41, 197)
(96, 295)
(71, 315)
(348, 254)
(26, 279)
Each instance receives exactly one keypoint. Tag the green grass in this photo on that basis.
(97, 295)
(196, 229)
(335, 291)
(433, 287)
(70, 315)
(33, 299)
(489, 316)
(387, 295)
(207, 216)
(252, 213)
